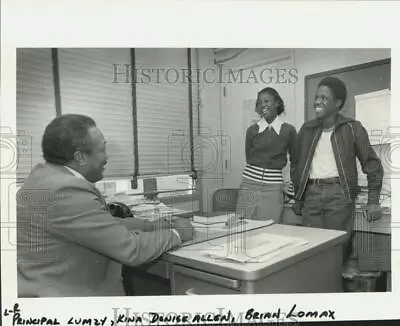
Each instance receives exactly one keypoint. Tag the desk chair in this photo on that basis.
(224, 200)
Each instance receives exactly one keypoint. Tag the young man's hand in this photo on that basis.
(374, 212)
(297, 207)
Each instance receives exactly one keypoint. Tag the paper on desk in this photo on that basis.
(221, 228)
(258, 248)
(143, 208)
(125, 198)
(207, 220)
(156, 211)
(241, 226)
(168, 210)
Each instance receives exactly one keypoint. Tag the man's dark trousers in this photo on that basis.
(326, 207)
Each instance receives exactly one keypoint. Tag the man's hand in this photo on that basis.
(184, 228)
(297, 207)
(374, 212)
(162, 223)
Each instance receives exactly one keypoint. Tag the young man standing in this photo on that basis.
(326, 177)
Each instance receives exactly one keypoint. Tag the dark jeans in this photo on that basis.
(326, 207)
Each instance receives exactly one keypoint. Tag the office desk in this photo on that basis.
(313, 268)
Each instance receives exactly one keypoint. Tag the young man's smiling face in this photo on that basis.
(325, 102)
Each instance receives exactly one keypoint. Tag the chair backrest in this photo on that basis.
(224, 200)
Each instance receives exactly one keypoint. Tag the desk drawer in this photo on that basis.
(188, 281)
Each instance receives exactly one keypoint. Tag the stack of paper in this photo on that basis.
(241, 226)
(144, 209)
(208, 220)
(155, 211)
(164, 209)
(255, 249)
(124, 198)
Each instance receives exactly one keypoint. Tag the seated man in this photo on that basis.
(68, 243)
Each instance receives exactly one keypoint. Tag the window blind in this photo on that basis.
(35, 105)
(86, 86)
(163, 111)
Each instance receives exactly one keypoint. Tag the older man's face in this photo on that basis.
(97, 159)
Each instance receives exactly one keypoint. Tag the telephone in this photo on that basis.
(118, 209)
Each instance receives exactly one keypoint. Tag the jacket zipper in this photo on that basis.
(303, 184)
(342, 169)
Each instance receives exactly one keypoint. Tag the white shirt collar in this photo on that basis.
(276, 125)
(74, 172)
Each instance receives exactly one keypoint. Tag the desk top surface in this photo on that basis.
(194, 256)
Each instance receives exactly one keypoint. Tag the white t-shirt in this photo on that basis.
(323, 164)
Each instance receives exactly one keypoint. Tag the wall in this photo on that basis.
(248, 57)
(255, 60)
(208, 139)
(212, 177)
(311, 61)
(306, 61)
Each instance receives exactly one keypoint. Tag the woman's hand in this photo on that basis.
(286, 187)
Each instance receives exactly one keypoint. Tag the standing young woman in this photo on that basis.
(268, 143)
